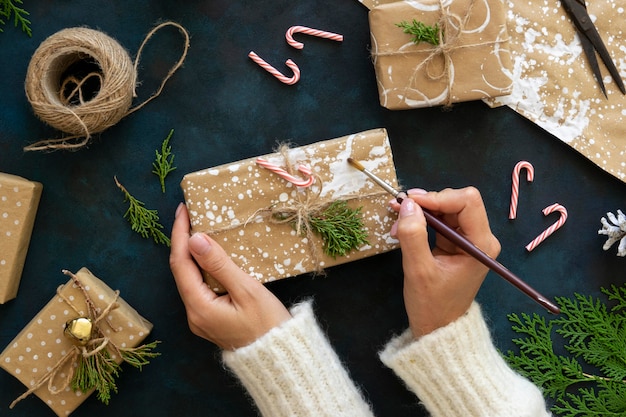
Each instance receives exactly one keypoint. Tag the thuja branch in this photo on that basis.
(142, 220)
(595, 338)
(340, 227)
(9, 8)
(421, 32)
(164, 162)
(99, 370)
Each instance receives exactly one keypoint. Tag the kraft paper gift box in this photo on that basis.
(41, 345)
(19, 199)
(472, 63)
(226, 202)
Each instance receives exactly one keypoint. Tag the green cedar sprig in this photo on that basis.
(421, 32)
(164, 162)
(99, 370)
(8, 8)
(340, 227)
(591, 380)
(142, 220)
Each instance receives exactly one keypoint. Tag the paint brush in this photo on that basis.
(462, 242)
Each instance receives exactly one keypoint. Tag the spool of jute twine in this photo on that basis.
(81, 81)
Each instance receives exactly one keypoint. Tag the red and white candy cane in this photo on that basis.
(530, 175)
(283, 78)
(550, 209)
(307, 182)
(309, 31)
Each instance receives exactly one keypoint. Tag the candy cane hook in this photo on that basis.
(530, 175)
(550, 209)
(283, 78)
(309, 31)
(287, 176)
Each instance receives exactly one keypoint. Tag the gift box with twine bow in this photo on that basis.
(261, 219)
(470, 60)
(45, 355)
(19, 199)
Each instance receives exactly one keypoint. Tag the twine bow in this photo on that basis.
(307, 205)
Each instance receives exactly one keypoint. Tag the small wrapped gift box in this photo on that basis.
(19, 199)
(41, 356)
(471, 62)
(231, 203)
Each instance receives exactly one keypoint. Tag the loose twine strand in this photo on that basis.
(452, 27)
(117, 75)
(93, 347)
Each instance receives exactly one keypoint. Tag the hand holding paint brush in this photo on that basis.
(461, 219)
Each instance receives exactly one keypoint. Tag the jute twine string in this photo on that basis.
(451, 27)
(307, 204)
(53, 99)
(93, 347)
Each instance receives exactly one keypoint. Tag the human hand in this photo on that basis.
(440, 285)
(236, 319)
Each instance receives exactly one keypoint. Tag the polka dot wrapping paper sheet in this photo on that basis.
(41, 345)
(19, 200)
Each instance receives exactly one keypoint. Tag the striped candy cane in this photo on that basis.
(283, 78)
(287, 176)
(530, 175)
(309, 31)
(550, 209)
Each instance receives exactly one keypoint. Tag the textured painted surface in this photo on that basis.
(554, 85)
(235, 204)
(225, 108)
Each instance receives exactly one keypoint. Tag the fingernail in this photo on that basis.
(199, 244)
(178, 209)
(407, 208)
(417, 191)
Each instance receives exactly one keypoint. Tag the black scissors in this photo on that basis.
(590, 40)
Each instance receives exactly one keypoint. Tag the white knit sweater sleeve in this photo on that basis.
(457, 371)
(293, 371)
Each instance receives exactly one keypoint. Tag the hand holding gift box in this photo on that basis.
(75, 344)
(470, 62)
(236, 204)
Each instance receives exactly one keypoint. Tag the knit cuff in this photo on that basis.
(293, 371)
(457, 371)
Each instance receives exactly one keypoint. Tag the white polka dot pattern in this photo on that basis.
(41, 344)
(19, 199)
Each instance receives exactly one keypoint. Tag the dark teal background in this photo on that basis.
(223, 108)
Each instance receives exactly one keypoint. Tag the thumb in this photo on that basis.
(413, 235)
(212, 258)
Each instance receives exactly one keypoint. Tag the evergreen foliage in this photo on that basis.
(591, 379)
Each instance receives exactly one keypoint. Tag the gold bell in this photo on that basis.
(79, 330)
